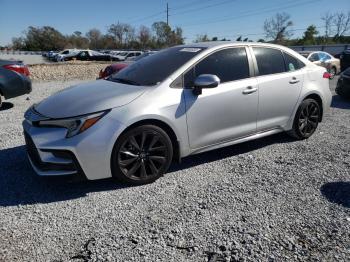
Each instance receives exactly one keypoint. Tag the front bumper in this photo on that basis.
(87, 154)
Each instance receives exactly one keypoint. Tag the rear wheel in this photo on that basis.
(141, 155)
(306, 119)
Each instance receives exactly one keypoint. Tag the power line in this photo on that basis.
(253, 34)
(204, 7)
(177, 7)
(166, 11)
(250, 13)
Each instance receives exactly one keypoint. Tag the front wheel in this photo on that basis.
(306, 119)
(141, 155)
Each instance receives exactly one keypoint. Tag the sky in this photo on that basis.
(222, 18)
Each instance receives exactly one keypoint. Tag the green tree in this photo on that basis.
(310, 34)
(162, 32)
(202, 38)
(44, 38)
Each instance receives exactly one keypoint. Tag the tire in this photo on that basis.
(306, 119)
(0, 101)
(141, 155)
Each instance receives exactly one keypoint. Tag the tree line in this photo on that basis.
(118, 36)
(277, 29)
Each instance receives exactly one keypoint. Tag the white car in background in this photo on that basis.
(61, 56)
(122, 56)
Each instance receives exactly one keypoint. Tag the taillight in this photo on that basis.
(22, 69)
(327, 75)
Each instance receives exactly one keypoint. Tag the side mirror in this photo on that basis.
(205, 81)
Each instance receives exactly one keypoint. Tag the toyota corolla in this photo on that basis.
(180, 101)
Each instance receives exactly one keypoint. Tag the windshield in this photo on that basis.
(155, 68)
(123, 53)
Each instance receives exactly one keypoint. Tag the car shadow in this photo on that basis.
(230, 151)
(339, 102)
(21, 186)
(337, 192)
(6, 106)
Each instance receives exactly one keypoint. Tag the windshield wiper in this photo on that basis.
(124, 81)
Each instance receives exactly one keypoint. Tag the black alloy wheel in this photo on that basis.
(142, 155)
(306, 119)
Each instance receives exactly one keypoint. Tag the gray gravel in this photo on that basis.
(274, 199)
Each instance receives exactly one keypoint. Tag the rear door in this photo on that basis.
(280, 79)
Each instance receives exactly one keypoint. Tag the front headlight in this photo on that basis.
(75, 125)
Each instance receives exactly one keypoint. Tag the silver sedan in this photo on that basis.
(180, 101)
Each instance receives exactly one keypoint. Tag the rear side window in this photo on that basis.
(292, 63)
(269, 60)
(228, 64)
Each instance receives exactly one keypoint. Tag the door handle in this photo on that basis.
(294, 81)
(249, 90)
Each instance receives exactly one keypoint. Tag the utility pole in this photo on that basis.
(167, 14)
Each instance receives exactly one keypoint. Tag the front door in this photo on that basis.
(228, 111)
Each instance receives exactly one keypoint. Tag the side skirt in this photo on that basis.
(237, 141)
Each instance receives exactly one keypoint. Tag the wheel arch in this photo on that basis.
(163, 125)
(318, 99)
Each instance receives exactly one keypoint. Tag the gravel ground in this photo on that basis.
(274, 199)
(65, 71)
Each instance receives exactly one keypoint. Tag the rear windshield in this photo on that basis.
(155, 68)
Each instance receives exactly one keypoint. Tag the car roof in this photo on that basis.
(214, 44)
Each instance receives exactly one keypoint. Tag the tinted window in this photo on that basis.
(228, 64)
(154, 69)
(292, 63)
(270, 61)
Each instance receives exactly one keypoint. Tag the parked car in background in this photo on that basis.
(114, 68)
(111, 69)
(137, 58)
(178, 102)
(90, 55)
(51, 55)
(345, 60)
(122, 56)
(66, 55)
(14, 79)
(343, 84)
(323, 59)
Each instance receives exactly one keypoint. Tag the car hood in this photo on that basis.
(88, 98)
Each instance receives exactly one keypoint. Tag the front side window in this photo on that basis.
(269, 60)
(228, 64)
(292, 63)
